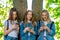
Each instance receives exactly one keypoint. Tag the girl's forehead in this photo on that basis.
(29, 12)
(14, 12)
(44, 13)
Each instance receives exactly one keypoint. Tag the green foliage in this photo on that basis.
(55, 13)
(4, 9)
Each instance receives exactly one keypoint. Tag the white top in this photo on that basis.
(13, 33)
(45, 23)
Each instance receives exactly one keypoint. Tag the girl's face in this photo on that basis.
(44, 16)
(14, 15)
(29, 15)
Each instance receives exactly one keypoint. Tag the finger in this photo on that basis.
(38, 30)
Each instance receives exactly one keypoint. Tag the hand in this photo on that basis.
(26, 29)
(32, 31)
(15, 26)
(41, 29)
(46, 28)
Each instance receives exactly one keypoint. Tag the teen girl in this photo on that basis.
(11, 27)
(28, 27)
(46, 27)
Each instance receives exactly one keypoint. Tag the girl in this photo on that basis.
(46, 28)
(28, 27)
(11, 27)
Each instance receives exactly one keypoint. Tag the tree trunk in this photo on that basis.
(21, 6)
(37, 7)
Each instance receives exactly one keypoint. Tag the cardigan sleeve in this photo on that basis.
(22, 29)
(52, 30)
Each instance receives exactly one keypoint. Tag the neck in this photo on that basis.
(29, 21)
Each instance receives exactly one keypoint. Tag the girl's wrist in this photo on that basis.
(48, 29)
(24, 31)
(32, 31)
(11, 28)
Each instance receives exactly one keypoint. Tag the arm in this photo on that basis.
(38, 27)
(35, 30)
(22, 29)
(7, 31)
(52, 30)
(17, 27)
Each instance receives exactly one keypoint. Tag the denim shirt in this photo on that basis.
(24, 36)
(49, 35)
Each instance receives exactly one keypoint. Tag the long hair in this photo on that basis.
(32, 19)
(47, 13)
(11, 14)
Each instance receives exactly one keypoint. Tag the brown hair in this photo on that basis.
(32, 19)
(47, 15)
(11, 14)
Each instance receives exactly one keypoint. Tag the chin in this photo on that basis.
(44, 19)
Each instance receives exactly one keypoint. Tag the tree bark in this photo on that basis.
(21, 6)
(37, 7)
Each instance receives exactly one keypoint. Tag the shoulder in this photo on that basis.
(5, 21)
(51, 22)
(21, 22)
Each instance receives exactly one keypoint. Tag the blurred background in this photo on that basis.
(53, 6)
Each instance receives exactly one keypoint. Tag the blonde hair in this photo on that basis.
(49, 20)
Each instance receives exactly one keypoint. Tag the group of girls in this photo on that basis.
(29, 28)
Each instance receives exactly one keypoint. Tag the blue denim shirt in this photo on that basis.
(24, 36)
(49, 35)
